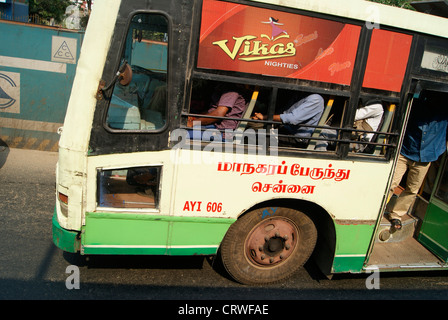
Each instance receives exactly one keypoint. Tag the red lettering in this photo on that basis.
(191, 206)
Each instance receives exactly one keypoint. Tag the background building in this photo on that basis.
(16, 10)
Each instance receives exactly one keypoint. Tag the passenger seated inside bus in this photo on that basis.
(228, 101)
(141, 105)
(368, 117)
(306, 111)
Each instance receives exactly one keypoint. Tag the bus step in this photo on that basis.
(388, 234)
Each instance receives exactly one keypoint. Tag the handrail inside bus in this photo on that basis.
(242, 125)
(385, 127)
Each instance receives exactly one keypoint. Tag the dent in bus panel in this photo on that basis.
(142, 104)
(129, 188)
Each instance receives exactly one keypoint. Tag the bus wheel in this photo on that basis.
(268, 245)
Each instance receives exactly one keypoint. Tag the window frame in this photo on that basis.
(125, 34)
(352, 92)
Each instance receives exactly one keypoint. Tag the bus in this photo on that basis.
(132, 178)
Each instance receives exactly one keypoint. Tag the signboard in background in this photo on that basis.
(9, 92)
(63, 49)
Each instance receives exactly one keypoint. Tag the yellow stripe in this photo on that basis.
(15, 142)
(30, 143)
(29, 125)
(43, 145)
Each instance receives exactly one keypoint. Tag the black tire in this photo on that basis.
(268, 245)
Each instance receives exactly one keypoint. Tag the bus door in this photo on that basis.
(433, 233)
(434, 230)
(423, 241)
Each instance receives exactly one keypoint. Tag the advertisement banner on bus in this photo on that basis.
(241, 38)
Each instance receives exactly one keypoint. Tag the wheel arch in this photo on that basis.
(323, 254)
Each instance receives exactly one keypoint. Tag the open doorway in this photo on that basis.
(395, 249)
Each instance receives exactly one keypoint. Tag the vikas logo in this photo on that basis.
(253, 48)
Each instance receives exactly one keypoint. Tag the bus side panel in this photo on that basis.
(218, 181)
(193, 236)
(118, 233)
(224, 185)
(352, 245)
(126, 233)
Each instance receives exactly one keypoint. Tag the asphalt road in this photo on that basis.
(32, 268)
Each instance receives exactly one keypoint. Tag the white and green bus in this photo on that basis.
(130, 181)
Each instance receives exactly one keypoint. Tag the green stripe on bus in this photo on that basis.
(64, 239)
(352, 244)
(121, 233)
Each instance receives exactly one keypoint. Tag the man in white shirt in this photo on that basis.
(367, 118)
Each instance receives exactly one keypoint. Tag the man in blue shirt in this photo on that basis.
(424, 142)
(306, 111)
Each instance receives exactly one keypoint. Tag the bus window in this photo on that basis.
(326, 136)
(370, 127)
(129, 188)
(298, 113)
(208, 98)
(369, 118)
(373, 121)
(302, 118)
(142, 104)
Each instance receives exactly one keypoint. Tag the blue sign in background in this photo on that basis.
(26, 52)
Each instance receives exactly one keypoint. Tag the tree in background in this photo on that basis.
(49, 9)
(88, 6)
(396, 3)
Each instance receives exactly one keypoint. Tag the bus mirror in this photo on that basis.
(125, 77)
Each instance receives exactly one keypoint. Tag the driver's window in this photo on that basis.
(142, 104)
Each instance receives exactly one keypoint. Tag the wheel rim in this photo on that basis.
(271, 242)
